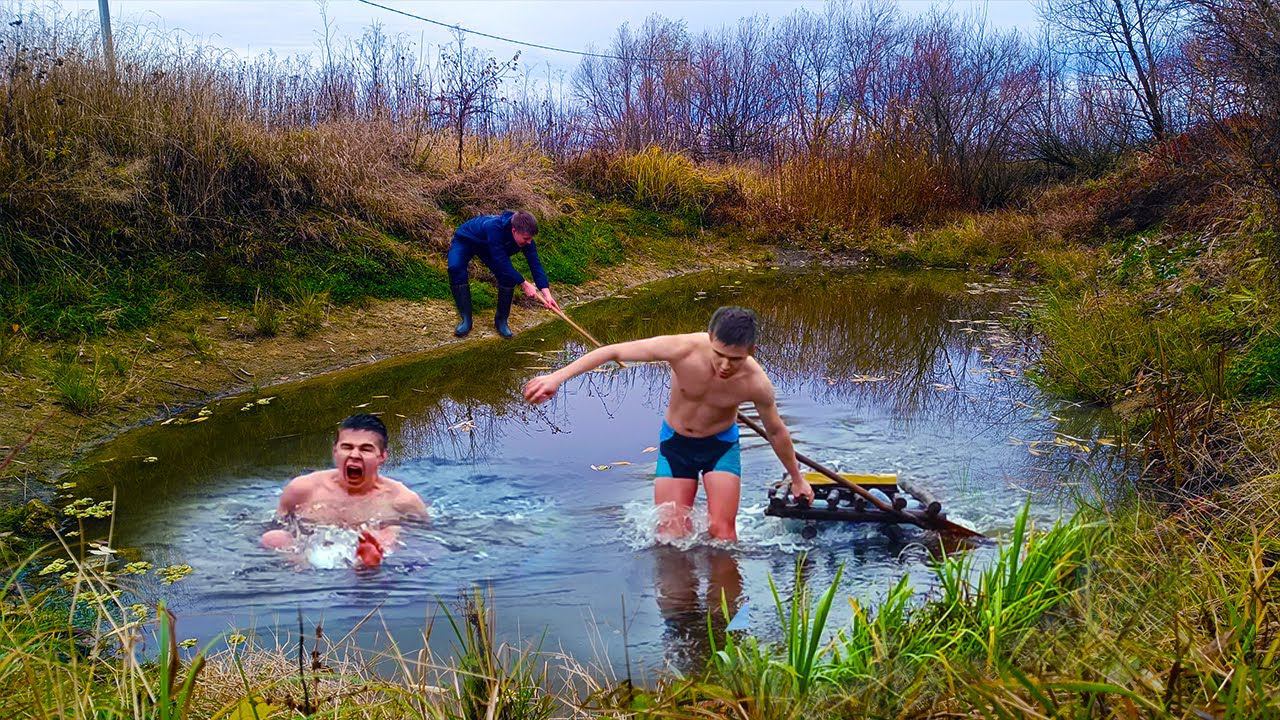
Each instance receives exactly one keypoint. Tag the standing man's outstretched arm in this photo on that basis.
(661, 348)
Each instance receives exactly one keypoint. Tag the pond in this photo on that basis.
(876, 371)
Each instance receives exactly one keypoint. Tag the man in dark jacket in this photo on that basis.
(495, 238)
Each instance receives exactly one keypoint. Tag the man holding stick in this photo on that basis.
(712, 373)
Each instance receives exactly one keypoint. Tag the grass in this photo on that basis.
(79, 388)
(266, 315)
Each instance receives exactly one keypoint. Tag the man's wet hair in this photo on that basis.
(733, 325)
(524, 222)
(365, 421)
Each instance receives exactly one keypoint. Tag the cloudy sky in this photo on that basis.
(291, 26)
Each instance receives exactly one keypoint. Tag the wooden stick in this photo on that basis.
(580, 329)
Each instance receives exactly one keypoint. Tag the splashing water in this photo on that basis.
(639, 529)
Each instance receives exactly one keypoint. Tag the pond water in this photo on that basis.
(876, 371)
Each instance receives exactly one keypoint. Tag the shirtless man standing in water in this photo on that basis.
(711, 374)
(352, 494)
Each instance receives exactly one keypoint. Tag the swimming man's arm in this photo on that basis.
(410, 505)
(662, 348)
(294, 496)
(780, 439)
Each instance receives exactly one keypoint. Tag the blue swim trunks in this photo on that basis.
(680, 456)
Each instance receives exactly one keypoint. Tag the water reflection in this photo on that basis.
(698, 591)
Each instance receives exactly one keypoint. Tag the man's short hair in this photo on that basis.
(733, 325)
(365, 421)
(524, 222)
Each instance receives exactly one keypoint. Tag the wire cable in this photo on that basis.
(459, 28)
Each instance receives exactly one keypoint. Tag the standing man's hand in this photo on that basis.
(541, 388)
(800, 488)
(544, 296)
(529, 290)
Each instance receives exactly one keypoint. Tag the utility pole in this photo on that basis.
(108, 47)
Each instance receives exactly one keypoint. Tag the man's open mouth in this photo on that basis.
(354, 472)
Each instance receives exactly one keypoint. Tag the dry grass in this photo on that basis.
(191, 149)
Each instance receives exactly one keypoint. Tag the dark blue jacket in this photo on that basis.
(490, 237)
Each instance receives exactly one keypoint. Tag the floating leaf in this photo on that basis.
(599, 467)
(101, 550)
(650, 449)
(56, 566)
(620, 463)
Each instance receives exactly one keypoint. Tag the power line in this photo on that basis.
(459, 28)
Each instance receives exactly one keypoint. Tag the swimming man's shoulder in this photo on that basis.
(404, 499)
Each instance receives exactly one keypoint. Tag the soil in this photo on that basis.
(212, 352)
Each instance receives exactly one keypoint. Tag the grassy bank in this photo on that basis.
(1130, 612)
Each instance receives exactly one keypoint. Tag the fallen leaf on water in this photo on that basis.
(867, 378)
(599, 467)
(941, 387)
(650, 449)
(1106, 441)
(620, 463)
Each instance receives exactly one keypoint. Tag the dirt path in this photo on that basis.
(200, 355)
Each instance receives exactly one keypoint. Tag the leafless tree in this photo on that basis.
(1133, 44)
(638, 95)
(808, 77)
(1238, 47)
(469, 85)
(732, 90)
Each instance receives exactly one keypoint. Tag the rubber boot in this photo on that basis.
(504, 311)
(462, 299)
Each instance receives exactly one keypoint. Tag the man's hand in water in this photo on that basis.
(369, 550)
(800, 488)
(541, 388)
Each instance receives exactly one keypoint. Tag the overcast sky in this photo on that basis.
(250, 27)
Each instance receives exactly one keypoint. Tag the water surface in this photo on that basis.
(876, 372)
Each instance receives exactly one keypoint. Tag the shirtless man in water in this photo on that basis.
(711, 374)
(352, 494)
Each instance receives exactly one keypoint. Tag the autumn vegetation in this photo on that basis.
(1122, 158)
